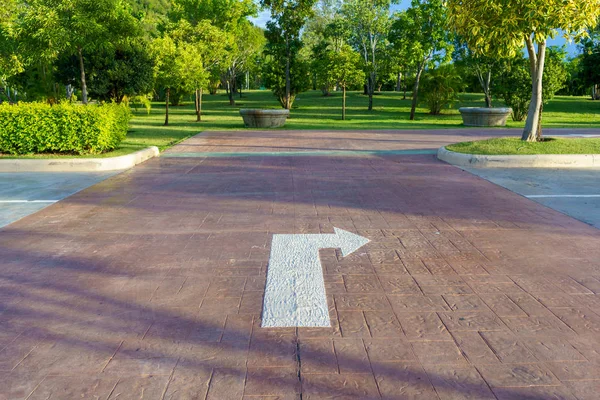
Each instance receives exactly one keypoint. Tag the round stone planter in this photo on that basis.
(481, 116)
(264, 118)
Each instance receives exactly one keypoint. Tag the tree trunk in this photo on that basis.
(486, 90)
(231, 99)
(84, 97)
(198, 119)
(595, 92)
(485, 86)
(200, 106)
(399, 81)
(404, 97)
(415, 94)
(167, 94)
(532, 130)
(288, 83)
(371, 89)
(343, 102)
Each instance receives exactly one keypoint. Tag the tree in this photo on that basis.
(501, 28)
(248, 41)
(369, 23)
(344, 69)
(200, 48)
(283, 45)
(316, 38)
(112, 74)
(49, 28)
(476, 64)
(589, 62)
(166, 68)
(422, 29)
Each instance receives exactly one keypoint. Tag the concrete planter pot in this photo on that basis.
(481, 116)
(264, 118)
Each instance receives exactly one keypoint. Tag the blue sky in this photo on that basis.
(263, 17)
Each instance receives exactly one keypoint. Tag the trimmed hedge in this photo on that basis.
(28, 128)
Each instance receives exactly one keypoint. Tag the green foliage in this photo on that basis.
(440, 87)
(368, 22)
(555, 72)
(274, 72)
(512, 82)
(590, 60)
(111, 73)
(221, 13)
(500, 27)
(343, 67)
(166, 67)
(421, 34)
(63, 128)
(137, 101)
(10, 62)
(49, 28)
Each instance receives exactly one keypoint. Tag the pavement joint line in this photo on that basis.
(539, 196)
(300, 153)
(27, 201)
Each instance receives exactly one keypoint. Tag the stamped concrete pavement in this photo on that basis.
(150, 284)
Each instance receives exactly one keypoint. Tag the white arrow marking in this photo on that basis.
(295, 290)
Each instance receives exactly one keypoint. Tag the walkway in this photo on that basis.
(150, 284)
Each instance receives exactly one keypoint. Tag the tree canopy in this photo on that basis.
(501, 28)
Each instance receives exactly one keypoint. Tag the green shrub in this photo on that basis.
(440, 88)
(28, 128)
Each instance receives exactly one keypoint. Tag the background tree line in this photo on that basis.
(134, 50)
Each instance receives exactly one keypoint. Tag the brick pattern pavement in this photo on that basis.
(149, 285)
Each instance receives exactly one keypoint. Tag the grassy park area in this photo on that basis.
(515, 146)
(313, 111)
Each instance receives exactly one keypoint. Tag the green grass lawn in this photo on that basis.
(515, 146)
(313, 111)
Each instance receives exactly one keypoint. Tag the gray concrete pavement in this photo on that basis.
(24, 193)
(575, 192)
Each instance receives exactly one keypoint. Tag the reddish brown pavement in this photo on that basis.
(150, 284)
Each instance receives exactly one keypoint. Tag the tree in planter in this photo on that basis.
(422, 29)
(49, 28)
(166, 68)
(440, 88)
(501, 28)
(283, 46)
(344, 69)
(512, 81)
(368, 22)
(274, 70)
(476, 64)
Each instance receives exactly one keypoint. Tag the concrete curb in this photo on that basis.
(524, 161)
(78, 164)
